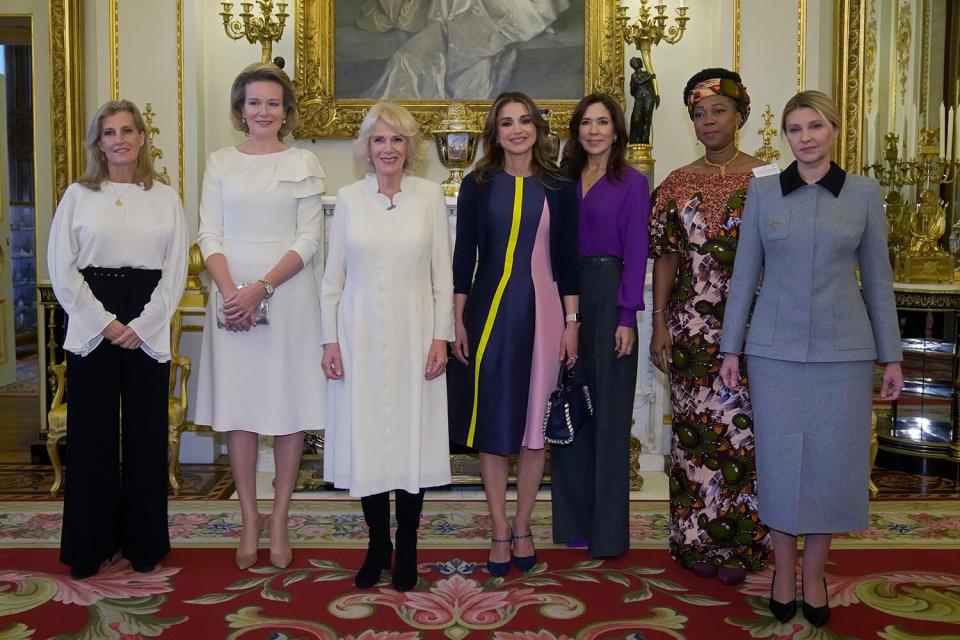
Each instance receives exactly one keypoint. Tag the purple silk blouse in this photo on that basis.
(614, 218)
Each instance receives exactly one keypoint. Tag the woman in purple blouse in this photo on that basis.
(590, 481)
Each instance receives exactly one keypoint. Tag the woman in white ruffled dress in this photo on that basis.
(261, 225)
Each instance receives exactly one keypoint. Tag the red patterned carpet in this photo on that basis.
(198, 593)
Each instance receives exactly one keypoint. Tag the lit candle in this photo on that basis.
(948, 133)
(942, 131)
(914, 129)
(904, 139)
(878, 135)
(956, 133)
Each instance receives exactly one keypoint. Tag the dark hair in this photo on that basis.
(742, 101)
(263, 72)
(575, 156)
(492, 160)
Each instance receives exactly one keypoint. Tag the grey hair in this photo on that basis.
(400, 120)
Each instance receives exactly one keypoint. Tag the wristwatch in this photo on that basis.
(572, 317)
(266, 285)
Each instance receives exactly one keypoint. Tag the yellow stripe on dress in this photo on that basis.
(495, 304)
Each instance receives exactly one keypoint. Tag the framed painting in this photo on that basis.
(427, 53)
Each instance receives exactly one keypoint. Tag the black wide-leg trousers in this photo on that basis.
(590, 478)
(116, 486)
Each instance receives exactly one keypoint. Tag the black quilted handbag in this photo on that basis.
(568, 408)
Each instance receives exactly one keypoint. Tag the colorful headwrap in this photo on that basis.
(722, 87)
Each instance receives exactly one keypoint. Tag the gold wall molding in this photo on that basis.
(323, 115)
(904, 43)
(849, 19)
(925, 65)
(180, 98)
(114, 14)
(870, 50)
(801, 44)
(766, 152)
(66, 92)
(736, 35)
(156, 153)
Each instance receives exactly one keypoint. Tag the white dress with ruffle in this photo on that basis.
(253, 209)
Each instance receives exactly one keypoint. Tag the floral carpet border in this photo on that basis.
(323, 523)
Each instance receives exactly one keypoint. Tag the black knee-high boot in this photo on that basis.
(376, 511)
(409, 507)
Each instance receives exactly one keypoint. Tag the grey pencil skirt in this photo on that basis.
(812, 429)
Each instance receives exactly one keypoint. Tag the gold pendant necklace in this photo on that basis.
(119, 201)
(721, 166)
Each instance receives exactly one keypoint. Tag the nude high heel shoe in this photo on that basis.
(247, 560)
(280, 560)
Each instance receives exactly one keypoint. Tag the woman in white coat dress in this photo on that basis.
(261, 225)
(387, 308)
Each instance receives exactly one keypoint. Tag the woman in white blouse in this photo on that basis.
(261, 224)
(387, 309)
(118, 261)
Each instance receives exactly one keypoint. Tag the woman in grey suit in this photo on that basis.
(811, 345)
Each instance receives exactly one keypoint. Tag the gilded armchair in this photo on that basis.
(176, 409)
(176, 399)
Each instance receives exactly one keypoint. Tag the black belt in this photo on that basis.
(123, 274)
(600, 258)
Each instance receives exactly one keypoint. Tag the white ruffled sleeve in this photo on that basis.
(153, 323)
(87, 316)
(303, 171)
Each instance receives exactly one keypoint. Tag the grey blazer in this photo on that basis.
(807, 246)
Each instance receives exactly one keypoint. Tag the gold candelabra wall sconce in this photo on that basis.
(915, 231)
(648, 30)
(266, 28)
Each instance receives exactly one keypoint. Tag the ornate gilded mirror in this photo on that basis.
(898, 78)
(897, 62)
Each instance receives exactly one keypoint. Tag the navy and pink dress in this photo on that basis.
(521, 235)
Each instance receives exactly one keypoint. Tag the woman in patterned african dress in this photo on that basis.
(714, 526)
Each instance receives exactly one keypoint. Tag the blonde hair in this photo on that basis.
(97, 170)
(400, 120)
(263, 72)
(812, 99)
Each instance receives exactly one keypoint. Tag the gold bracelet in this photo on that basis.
(658, 311)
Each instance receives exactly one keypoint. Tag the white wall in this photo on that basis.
(148, 72)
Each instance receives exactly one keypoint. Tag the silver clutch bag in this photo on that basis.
(261, 314)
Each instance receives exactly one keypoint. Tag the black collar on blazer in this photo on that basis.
(790, 179)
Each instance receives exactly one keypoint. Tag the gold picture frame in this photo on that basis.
(66, 92)
(323, 115)
(849, 27)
